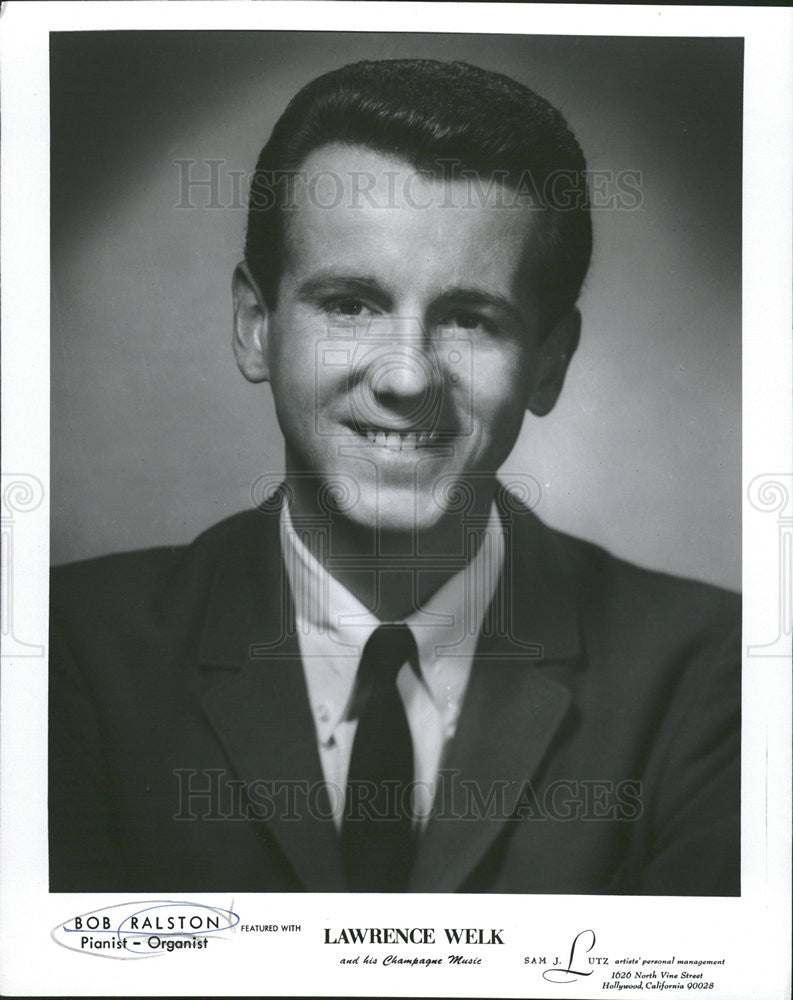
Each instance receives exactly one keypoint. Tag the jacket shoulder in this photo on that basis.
(619, 590)
(142, 561)
(130, 581)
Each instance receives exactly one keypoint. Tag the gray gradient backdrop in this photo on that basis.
(155, 435)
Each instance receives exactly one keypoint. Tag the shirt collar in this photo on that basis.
(333, 625)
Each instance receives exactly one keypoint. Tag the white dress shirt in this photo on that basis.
(333, 627)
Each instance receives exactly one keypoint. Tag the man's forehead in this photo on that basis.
(362, 178)
(355, 204)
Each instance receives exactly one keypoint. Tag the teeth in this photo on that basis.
(400, 441)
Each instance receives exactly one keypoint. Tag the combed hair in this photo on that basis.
(435, 116)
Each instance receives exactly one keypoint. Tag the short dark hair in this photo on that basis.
(435, 116)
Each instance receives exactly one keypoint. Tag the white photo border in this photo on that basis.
(753, 931)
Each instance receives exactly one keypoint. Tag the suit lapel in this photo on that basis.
(512, 710)
(511, 714)
(260, 710)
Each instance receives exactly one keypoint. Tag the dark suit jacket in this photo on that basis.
(597, 750)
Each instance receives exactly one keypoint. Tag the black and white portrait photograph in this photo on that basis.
(403, 421)
(388, 671)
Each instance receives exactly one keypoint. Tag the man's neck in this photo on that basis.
(394, 573)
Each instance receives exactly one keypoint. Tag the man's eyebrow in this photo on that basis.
(340, 283)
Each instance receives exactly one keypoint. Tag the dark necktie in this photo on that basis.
(377, 833)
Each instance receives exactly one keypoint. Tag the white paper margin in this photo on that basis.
(753, 931)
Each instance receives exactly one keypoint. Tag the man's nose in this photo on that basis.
(402, 366)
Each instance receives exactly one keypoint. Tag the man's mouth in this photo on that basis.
(398, 440)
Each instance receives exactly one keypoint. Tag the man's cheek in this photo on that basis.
(294, 379)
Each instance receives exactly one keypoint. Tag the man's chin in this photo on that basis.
(394, 513)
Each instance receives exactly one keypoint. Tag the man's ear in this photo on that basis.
(553, 357)
(251, 320)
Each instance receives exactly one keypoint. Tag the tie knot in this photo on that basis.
(388, 647)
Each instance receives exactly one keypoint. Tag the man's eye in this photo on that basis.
(347, 308)
(468, 321)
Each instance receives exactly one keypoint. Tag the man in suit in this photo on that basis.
(391, 675)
